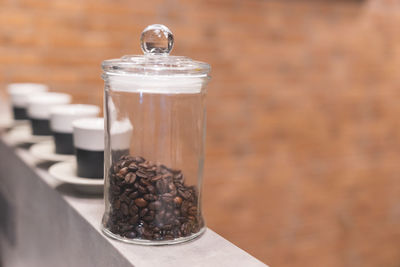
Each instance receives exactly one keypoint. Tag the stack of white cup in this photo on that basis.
(76, 128)
(19, 95)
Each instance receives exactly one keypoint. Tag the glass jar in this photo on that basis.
(155, 119)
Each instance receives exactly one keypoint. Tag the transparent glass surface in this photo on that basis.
(156, 42)
(154, 158)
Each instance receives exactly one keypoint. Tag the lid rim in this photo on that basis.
(158, 75)
(150, 65)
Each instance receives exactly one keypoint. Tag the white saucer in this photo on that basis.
(23, 134)
(46, 151)
(16, 123)
(6, 123)
(66, 172)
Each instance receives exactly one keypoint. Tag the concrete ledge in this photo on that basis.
(46, 223)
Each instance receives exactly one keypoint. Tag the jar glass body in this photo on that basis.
(154, 156)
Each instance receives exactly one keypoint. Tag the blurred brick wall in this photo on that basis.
(303, 145)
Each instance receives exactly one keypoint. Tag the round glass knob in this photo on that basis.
(156, 39)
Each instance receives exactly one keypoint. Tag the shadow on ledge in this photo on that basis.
(72, 191)
(45, 165)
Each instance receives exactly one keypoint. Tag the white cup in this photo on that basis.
(61, 118)
(39, 107)
(88, 136)
(19, 94)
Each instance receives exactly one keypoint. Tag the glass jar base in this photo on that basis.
(146, 242)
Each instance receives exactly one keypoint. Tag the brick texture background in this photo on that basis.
(302, 163)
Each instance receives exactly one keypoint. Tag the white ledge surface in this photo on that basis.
(47, 223)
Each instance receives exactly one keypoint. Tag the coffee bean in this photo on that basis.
(156, 236)
(130, 178)
(128, 191)
(185, 207)
(142, 189)
(148, 218)
(122, 172)
(143, 212)
(114, 189)
(125, 227)
(144, 182)
(167, 227)
(171, 187)
(124, 198)
(151, 164)
(124, 157)
(175, 172)
(162, 186)
(134, 195)
(192, 210)
(130, 235)
(147, 234)
(185, 229)
(159, 220)
(138, 159)
(125, 163)
(167, 176)
(124, 208)
(156, 178)
(150, 201)
(133, 167)
(177, 213)
(140, 202)
(139, 230)
(117, 204)
(134, 219)
(149, 197)
(178, 201)
(184, 193)
(151, 189)
(115, 168)
(136, 185)
(178, 177)
(145, 165)
(133, 210)
(167, 197)
(156, 205)
(141, 174)
(160, 217)
(164, 171)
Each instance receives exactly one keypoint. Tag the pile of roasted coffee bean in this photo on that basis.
(151, 201)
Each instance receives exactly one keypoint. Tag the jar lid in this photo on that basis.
(156, 42)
